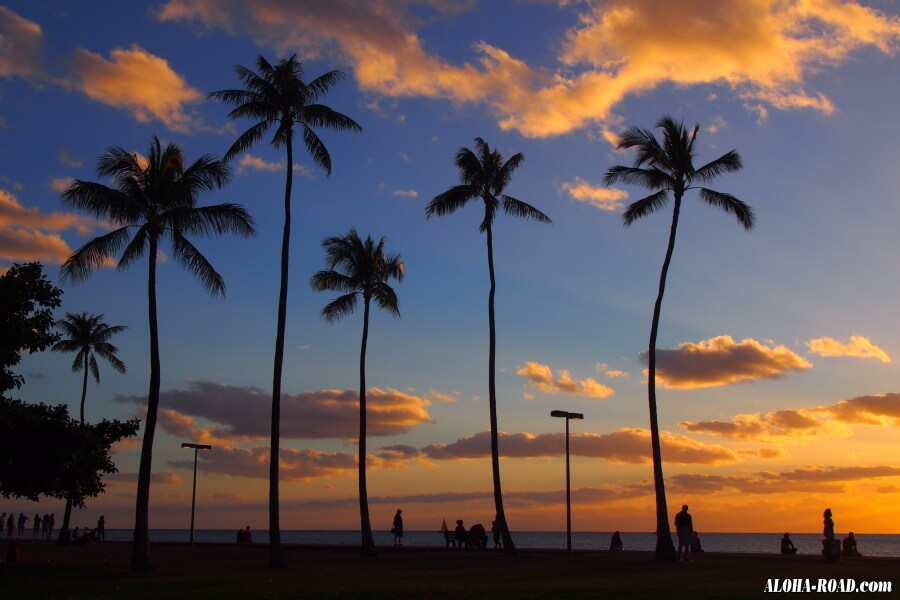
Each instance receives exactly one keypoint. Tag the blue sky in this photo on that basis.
(781, 387)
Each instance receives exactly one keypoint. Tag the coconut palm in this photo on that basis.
(664, 166)
(484, 174)
(360, 269)
(88, 337)
(153, 200)
(278, 98)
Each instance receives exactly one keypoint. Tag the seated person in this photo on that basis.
(787, 546)
(848, 546)
(478, 536)
(460, 535)
(695, 543)
(76, 535)
(615, 544)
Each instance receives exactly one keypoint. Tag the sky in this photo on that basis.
(778, 347)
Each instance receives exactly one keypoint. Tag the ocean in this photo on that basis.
(870, 544)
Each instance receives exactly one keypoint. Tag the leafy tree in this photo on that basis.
(360, 269)
(27, 300)
(88, 338)
(484, 174)
(665, 166)
(153, 199)
(47, 453)
(278, 98)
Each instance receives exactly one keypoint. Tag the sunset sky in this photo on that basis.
(779, 383)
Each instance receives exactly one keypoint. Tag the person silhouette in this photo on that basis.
(615, 543)
(787, 546)
(684, 527)
(397, 528)
(848, 545)
(828, 525)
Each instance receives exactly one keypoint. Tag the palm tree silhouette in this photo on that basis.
(278, 98)
(359, 269)
(156, 199)
(88, 337)
(665, 166)
(483, 174)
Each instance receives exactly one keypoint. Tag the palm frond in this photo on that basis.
(320, 86)
(217, 219)
(95, 369)
(197, 264)
(248, 139)
(727, 163)
(93, 255)
(645, 206)
(317, 149)
(518, 208)
(206, 174)
(102, 202)
(332, 281)
(319, 115)
(470, 167)
(730, 204)
(386, 299)
(650, 178)
(107, 353)
(451, 200)
(65, 345)
(340, 307)
(135, 248)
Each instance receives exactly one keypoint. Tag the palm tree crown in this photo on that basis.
(664, 166)
(88, 337)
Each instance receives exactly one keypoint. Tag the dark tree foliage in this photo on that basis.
(45, 452)
(27, 300)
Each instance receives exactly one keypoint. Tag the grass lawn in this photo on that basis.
(224, 571)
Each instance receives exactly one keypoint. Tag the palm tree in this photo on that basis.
(277, 97)
(483, 174)
(359, 269)
(88, 338)
(156, 199)
(665, 166)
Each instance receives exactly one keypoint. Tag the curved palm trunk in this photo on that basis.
(368, 543)
(665, 549)
(140, 554)
(84, 386)
(508, 546)
(276, 556)
(63, 539)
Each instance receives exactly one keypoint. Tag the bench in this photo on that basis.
(471, 540)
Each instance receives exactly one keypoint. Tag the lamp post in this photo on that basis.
(568, 416)
(196, 448)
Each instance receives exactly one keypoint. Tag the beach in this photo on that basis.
(101, 570)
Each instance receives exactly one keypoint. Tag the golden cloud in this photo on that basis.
(721, 361)
(858, 346)
(599, 196)
(61, 184)
(540, 377)
(20, 46)
(137, 81)
(405, 194)
(817, 479)
(294, 465)
(250, 162)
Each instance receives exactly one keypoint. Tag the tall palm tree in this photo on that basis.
(155, 199)
(484, 174)
(278, 98)
(88, 337)
(360, 269)
(664, 166)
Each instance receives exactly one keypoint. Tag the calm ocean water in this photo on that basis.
(765, 543)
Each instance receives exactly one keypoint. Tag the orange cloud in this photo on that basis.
(599, 196)
(321, 414)
(20, 46)
(818, 479)
(61, 184)
(881, 410)
(622, 446)
(858, 346)
(540, 377)
(294, 465)
(405, 194)
(762, 50)
(721, 361)
(137, 81)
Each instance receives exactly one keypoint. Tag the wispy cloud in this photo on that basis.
(721, 361)
(858, 346)
(540, 377)
(21, 41)
(812, 479)
(405, 194)
(602, 197)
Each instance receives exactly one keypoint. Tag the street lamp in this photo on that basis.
(196, 448)
(568, 416)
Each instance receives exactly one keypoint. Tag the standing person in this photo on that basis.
(684, 527)
(23, 519)
(615, 543)
(101, 528)
(2, 523)
(45, 526)
(397, 528)
(50, 526)
(10, 523)
(37, 526)
(828, 525)
(498, 539)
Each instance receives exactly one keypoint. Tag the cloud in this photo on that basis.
(823, 421)
(66, 158)
(294, 465)
(721, 361)
(323, 414)
(137, 81)
(540, 377)
(813, 479)
(20, 46)
(405, 194)
(61, 184)
(858, 346)
(762, 51)
(622, 446)
(435, 395)
(157, 477)
(250, 162)
(28, 234)
(602, 197)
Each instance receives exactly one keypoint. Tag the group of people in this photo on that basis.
(244, 536)
(42, 529)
